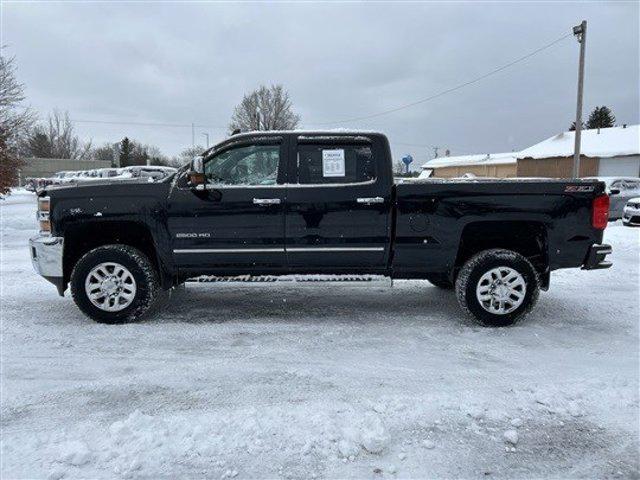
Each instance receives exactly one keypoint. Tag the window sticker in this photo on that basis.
(333, 163)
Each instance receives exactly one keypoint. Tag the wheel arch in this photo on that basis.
(80, 238)
(528, 238)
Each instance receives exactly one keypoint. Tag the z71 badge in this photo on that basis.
(579, 188)
(193, 235)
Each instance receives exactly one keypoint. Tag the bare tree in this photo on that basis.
(56, 139)
(131, 152)
(268, 108)
(106, 153)
(186, 155)
(15, 118)
(10, 165)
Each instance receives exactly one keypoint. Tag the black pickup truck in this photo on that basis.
(275, 203)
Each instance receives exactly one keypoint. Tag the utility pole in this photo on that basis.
(193, 135)
(580, 32)
(207, 135)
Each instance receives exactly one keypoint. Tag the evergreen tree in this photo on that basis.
(573, 126)
(125, 152)
(601, 117)
(38, 145)
(9, 165)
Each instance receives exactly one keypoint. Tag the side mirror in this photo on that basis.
(196, 175)
(614, 191)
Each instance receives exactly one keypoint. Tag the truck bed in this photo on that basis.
(437, 219)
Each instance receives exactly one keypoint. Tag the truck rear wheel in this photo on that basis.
(114, 284)
(497, 287)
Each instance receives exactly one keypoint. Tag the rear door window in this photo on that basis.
(319, 164)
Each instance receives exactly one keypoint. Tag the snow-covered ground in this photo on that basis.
(322, 381)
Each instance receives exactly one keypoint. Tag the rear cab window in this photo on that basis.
(320, 163)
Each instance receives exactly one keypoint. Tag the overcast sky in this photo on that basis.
(192, 62)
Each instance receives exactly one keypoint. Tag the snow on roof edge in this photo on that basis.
(600, 143)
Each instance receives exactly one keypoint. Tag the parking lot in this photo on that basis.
(327, 381)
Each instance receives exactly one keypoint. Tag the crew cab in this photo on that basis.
(322, 202)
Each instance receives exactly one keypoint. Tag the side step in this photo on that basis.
(365, 280)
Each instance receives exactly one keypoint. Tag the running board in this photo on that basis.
(367, 280)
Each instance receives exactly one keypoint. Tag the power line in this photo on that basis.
(150, 124)
(452, 89)
(353, 119)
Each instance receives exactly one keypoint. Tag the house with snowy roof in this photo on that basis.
(501, 165)
(604, 152)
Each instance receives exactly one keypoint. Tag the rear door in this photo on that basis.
(237, 222)
(338, 203)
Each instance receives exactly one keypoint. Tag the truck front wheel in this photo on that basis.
(497, 287)
(114, 284)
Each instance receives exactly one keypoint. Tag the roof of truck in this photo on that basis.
(271, 133)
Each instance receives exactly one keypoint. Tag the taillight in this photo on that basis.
(600, 212)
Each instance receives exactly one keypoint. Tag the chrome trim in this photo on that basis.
(370, 200)
(335, 249)
(266, 201)
(281, 250)
(46, 255)
(228, 250)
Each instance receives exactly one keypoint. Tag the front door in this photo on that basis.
(237, 222)
(337, 215)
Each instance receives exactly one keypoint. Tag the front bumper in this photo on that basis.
(46, 258)
(631, 216)
(596, 257)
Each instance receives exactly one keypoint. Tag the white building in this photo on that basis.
(605, 152)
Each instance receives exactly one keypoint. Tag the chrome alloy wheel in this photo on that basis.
(501, 290)
(110, 287)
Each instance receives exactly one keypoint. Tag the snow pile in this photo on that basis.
(370, 436)
(74, 453)
(271, 380)
(511, 436)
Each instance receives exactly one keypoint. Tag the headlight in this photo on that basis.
(44, 207)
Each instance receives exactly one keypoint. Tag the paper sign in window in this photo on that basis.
(333, 163)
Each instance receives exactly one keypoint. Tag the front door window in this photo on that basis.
(252, 165)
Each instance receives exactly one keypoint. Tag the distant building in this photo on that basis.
(46, 167)
(605, 152)
(501, 165)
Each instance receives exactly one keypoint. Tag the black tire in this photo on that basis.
(483, 262)
(140, 267)
(440, 281)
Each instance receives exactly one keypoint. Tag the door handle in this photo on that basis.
(370, 200)
(266, 201)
